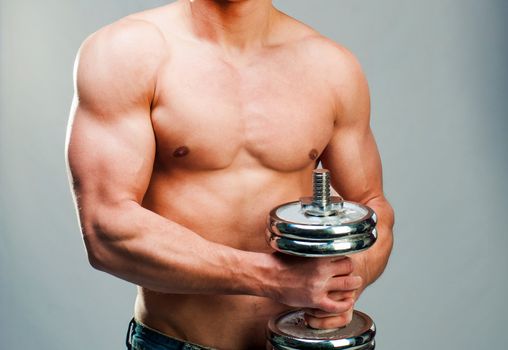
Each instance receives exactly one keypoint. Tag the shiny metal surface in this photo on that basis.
(349, 230)
(290, 332)
(321, 226)
(346, 245)
(320, 204)
(290, 219)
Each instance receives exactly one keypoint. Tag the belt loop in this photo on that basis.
(130, 332)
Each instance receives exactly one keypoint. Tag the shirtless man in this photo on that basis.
(191, 122)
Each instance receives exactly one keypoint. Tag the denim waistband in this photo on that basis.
(142, 337)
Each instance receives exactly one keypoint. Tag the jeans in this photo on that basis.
(140, 337)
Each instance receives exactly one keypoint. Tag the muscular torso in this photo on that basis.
(234, 138)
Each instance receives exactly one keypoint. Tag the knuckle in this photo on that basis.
(358, 281)
(322, 305)
(313, 281)
(322, 272)
(316, 300)
(330, 307)
(338, 309)
(345, 305)
(346, 283)
(351, 282)
(348, 265)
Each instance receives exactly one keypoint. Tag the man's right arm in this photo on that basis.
(110, 153)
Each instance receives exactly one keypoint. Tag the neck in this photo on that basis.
(240, 24)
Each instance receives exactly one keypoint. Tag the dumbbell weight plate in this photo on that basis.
(292, 231)
(289, 331)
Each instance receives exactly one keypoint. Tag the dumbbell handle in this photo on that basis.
(321, 204)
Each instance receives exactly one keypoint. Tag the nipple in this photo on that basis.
(313, 154)
(181, 152)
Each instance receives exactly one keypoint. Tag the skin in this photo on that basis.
(189, 123)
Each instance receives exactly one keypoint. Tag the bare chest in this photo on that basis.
(272, 112)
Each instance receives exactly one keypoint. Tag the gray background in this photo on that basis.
(438, 75)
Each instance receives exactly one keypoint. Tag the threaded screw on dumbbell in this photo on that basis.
(321, 189)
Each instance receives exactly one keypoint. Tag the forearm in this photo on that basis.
(144, 248)
(371, 263)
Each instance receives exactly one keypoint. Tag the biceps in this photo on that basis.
(110, 160)
(353, 159)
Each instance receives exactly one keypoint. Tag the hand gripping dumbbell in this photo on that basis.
(314, 227)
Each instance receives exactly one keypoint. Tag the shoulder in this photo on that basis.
(337, 69)
(334, 66)
(332, 60)
(346, 81)
(341, 70)
(127, 42)
(317, 48)
(120, 58)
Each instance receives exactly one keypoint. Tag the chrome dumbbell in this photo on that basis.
(314, 227)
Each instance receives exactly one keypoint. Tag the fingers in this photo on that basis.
(344, 283)
(339, 308)
(332, 322)
(342, 266)
(339, 296)
(322, 284)
(330, 307)
(336, 310)
(342, 295)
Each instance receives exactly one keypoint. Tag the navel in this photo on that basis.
(181, 152)
(313, 154)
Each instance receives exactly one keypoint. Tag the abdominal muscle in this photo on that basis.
(228, 212)
(220, 321)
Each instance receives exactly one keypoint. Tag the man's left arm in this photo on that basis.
(355, 165)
